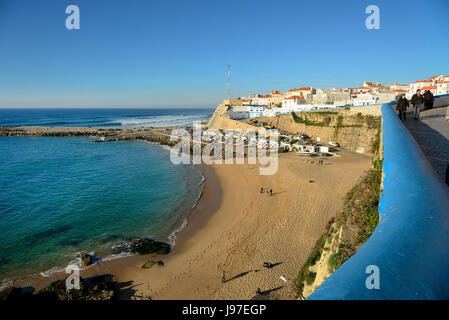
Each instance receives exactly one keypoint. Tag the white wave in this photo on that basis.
(163, 121)
(172, 236)
(6, 284)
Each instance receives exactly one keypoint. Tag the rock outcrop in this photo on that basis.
(149, 246)
(86, 259)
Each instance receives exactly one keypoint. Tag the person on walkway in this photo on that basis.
(402, 107)
(428, 100)
(417, 101)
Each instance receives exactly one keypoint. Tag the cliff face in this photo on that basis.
(353, 131)
(221, 121)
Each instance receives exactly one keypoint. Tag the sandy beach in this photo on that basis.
(235, 229)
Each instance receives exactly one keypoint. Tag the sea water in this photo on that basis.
(68, 117)
(60, 196)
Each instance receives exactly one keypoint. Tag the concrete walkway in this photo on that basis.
(431, 132)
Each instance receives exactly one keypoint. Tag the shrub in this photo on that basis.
(310, 277)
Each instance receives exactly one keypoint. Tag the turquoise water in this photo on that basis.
(61, 196)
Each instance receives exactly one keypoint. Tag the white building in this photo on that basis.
(332, 97)
(261, 100)
(276, 98)
(432, 89)
(256, 111)
(397, 86)
(442, 87)
(270, 112)
(292, 102)
(246, 101)
(361, 89)
(363, 99)
(414, 86)
(239, 112)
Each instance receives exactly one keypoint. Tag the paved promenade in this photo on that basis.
(431, 132)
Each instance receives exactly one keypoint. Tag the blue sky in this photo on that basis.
(175, 53)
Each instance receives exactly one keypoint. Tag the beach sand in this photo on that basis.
(235, 229)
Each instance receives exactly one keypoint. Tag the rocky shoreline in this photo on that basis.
(101, 287)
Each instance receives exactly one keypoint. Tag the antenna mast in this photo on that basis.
(229, 83)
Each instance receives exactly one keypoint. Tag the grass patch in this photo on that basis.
(306, 121)
(310, 277)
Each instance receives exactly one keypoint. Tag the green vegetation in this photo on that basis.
(150, 263)
(334, 260)
(306, 121)
(372, 121)
(310, 277)
(324, 112)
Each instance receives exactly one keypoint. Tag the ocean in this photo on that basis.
(60, 196)
(103, 117)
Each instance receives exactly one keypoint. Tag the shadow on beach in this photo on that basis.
(265, 295)
(101, 287)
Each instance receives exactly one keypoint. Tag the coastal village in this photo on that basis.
(308, 98)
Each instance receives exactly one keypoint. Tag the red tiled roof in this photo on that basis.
(429, 88)
(399, 90)
(422, 81)
(294, 98)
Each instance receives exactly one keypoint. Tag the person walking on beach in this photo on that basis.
(261, 189)
(223, 279)
(271, 192)
(417, 101)
(402, 107)
(428, 100)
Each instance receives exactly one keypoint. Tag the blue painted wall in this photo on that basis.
(411, 243)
